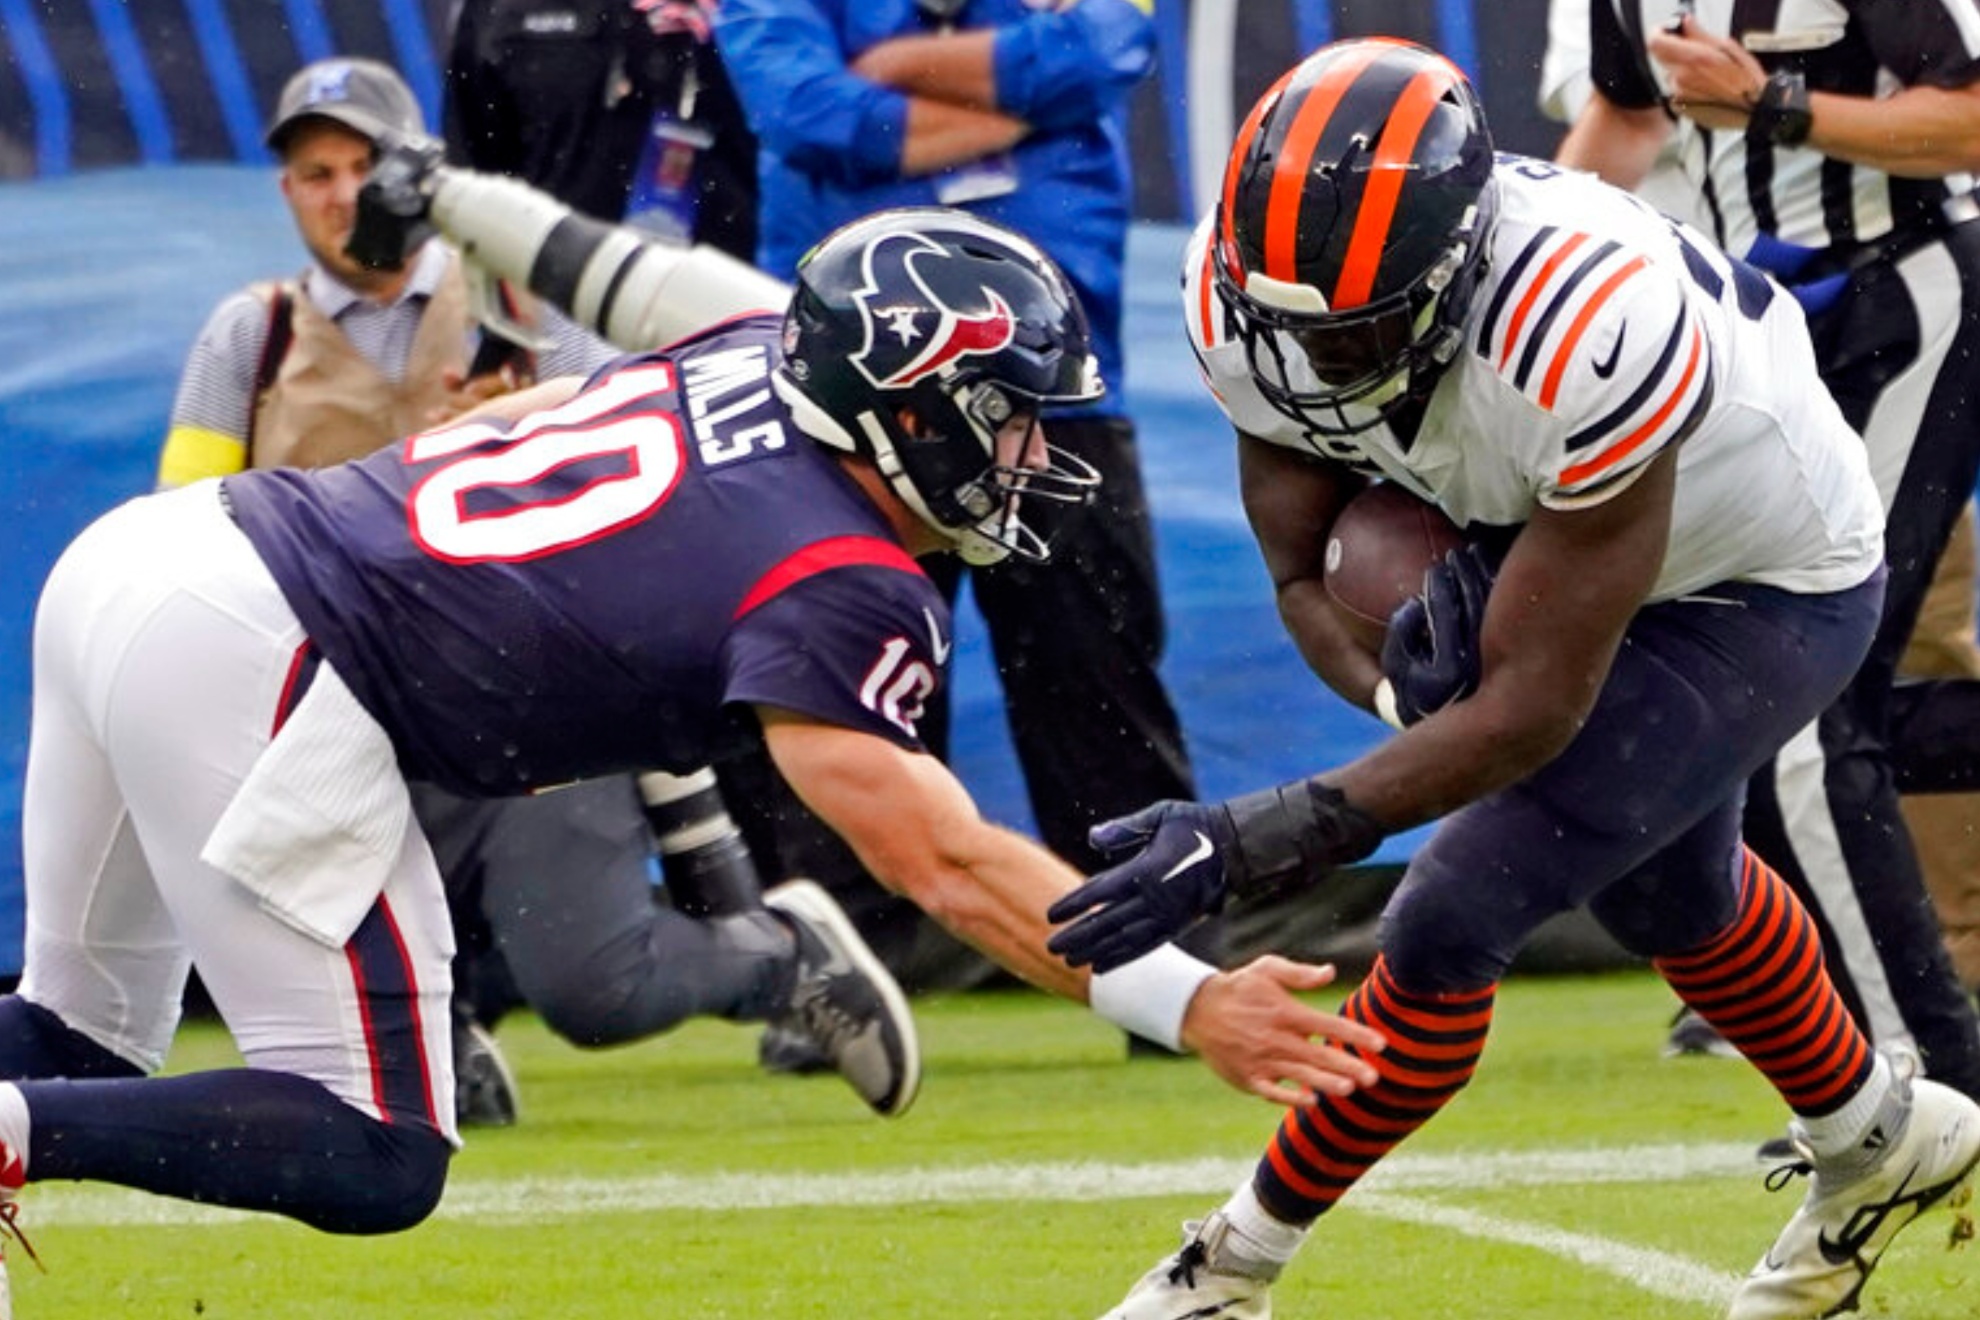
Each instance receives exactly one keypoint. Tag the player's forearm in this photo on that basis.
(989, 887)
(1454, 757)
(1316, 629)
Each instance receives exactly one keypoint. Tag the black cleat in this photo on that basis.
(789, 1049)
(1693, 1035)
(484, 1088)
(846, 1002)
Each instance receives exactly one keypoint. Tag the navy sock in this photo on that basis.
(251, 1139)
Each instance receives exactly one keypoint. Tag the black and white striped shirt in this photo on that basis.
(1860, 48)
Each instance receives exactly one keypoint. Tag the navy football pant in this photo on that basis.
(1639, 817)
(247, 1138)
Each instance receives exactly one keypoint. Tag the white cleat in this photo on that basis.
(1920, 1153)
(1206, 1279)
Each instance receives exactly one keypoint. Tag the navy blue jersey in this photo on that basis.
(595, 589)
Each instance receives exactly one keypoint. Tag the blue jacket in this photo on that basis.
(831, 141)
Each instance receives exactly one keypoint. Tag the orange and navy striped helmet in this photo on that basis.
(1353, 222)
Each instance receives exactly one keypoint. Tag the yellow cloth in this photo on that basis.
(193, 453)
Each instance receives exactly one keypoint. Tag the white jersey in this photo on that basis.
(1601, 334)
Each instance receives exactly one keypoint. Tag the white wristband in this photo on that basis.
(1150, 995)
(1385, 704)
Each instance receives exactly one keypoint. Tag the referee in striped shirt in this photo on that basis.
(1834, 143)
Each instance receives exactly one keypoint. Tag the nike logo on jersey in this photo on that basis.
(940, 645)
(1202, 850)
(1607, 367)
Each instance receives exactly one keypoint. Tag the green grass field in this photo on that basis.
(1038, 1175)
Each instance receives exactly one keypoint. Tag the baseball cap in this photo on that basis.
(363, 95)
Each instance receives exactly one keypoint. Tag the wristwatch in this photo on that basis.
(1781, 116)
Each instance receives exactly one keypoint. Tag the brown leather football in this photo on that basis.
(1377, 553)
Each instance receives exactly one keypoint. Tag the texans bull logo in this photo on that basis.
(907, 340)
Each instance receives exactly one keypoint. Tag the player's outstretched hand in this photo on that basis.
(1176, 876)
(1252, 1029)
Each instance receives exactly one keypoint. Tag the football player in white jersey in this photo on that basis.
(1685, 567)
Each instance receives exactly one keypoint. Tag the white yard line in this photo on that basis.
(543, 1197)
(1662, 1273)
(1392, 1191)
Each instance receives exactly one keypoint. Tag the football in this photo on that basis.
(1377, 553)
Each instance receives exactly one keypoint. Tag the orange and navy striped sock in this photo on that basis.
(1762, 983)
(1434, 1044)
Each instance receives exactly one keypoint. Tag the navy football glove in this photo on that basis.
(1192, 855)
(1176, 877)
(1430, 654)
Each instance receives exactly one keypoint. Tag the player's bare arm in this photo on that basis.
(917, 832)
(1291, 500)
(1567, 590)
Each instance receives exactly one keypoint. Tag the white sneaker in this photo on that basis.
(1206, 1278)
(1920, 1153)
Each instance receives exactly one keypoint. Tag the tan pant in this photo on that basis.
(1946, 826)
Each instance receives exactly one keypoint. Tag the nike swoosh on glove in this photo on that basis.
(1153, 896)
(1430, 653)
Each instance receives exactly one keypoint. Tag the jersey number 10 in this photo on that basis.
(573, 475)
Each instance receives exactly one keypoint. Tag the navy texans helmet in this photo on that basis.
(1357, 207)
(962, 324)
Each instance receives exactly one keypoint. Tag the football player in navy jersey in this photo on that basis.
(1693, 571)
(712, 542)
